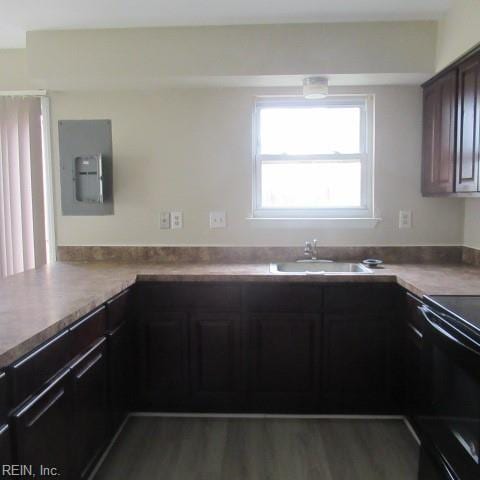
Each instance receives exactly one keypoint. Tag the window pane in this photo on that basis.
(309, 130)
(311, 184)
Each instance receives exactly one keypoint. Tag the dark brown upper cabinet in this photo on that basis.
(451, 130)
(468, 125)
(439, 111)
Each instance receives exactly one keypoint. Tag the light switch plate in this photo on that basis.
(164, 220)
(218, 219)
(176, 220)
(405, 219)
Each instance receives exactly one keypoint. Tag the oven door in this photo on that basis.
(451, 369)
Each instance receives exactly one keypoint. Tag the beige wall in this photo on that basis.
(472, 223)
(151, 57)
(190, 150)
(459, 31)
(13, 70)
(471, 236)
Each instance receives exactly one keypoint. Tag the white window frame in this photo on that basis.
(366, 209)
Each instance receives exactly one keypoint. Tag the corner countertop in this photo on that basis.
(37, 304)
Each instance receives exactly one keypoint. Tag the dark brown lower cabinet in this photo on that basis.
(357, 363)
(120, 374)
(4, 404)
(5, 446)
(164, 361)
(284, 354)
(217, 366)
(286, 348)
(89, 421)
(42, 427)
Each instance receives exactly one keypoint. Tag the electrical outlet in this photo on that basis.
(405, 219)
(164, 220)
(176, 220)
(218, 219)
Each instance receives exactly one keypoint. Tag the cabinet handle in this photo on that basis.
(88, 366)
(47, 407)
(87, 318)
(432, 323)
(415, 330)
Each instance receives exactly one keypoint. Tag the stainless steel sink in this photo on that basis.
(320, 267)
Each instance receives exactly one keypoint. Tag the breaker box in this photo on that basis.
(86, 167)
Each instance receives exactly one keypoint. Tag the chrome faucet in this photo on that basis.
(310, 249)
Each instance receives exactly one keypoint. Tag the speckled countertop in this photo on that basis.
(39, 303)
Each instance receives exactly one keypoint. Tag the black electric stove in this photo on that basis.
(462, 310)
(451, 369)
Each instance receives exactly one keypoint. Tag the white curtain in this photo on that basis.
(22, 214)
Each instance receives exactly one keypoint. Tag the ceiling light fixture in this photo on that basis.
(315, 87)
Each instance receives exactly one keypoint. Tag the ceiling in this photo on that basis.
(17, 17)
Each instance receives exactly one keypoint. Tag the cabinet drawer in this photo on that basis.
(117, 310)
(364, 297)
(87, 330)
(160, 296)
(213, 297)
(41, 427)
(284, 298)
(5, 445)
(30, 372)
(3, 398)
(182, 297)
(89, 391)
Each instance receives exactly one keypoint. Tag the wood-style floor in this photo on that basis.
(152, 448)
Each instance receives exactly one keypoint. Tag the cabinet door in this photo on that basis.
(284, 353)
(216, 362)
(164, 361)
(89, 378)
(42, 426)
(120, 374)
(468, 125)
(439, 119)
(5, 446)
(357, 363)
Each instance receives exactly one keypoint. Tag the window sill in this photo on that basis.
(296, 222)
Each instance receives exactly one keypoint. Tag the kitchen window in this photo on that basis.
(313, 158)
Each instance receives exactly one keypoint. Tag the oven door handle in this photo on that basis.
(426, 312)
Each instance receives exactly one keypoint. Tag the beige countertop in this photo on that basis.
(36, 304)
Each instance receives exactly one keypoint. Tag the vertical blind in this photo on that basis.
(22, 213)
